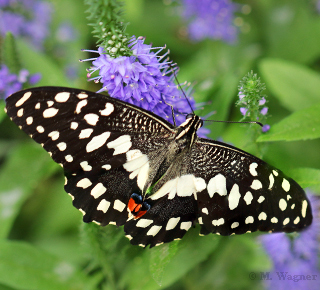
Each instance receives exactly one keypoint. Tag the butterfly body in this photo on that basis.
(127, 166)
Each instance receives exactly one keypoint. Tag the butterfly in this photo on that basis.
(124, 165)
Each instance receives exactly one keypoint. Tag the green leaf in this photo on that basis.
(296, 86)
(36, 61)
(25, 267)
(9, 54)
(26, 165)
(2, 112)
(306, 177)
(191, 251)
(301, 125)
(159, 259)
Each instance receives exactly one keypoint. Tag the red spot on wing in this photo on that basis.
(140, 214)
(132, 204)
(137, 208)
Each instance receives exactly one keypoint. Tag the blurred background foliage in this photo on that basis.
(44, 244)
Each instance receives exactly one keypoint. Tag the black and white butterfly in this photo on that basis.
(126, 166)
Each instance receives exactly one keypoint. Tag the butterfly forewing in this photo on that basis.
(90, 135)
(112, 151)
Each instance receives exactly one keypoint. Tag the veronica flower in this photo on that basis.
(144, 79)
(251, 100)
(210, 19)
(295, 259)
(11, 83)
(28, 18)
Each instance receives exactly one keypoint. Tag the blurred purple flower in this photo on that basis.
(11, 83)
(144, 79)
(66, 32)
(264, 111)
(265, 128)
(295, 255)
(28, 18)
(210, 19)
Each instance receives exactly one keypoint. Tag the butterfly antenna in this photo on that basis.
(236, 122)
(177, 81)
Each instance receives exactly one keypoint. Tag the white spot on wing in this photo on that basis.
(297, 219)
(40, 129)
(154, 230)
(50, 103)
(172, 223)
(108, 110)
(74, 125)
(25, 97)
(84, 183)
(261, 199)
(82, 96)
(54, 135)
(234, 225)
(274, 220)
(253, 169)
(85, 166)
(91, 119)
(248, 197)
(69, 158)
(205, 210)
(282, 204)
(185, 225)
(262, 216)
(234, 197)
(143, 223)
(119, 205)
(121, 145)
(106, 166)
(304, 208)
(97, 141)
(271, 180)
(286, 221)
(20, 112)
(217, 184)
(218, 222)
(256, 184)
(85, 133)
(285, 185)
(62, 97)
(49, 113)
(249, 220)
(80, 105)
(37, 106)
(62, 146)
(29, 120)
(98, 190)
(103, 205)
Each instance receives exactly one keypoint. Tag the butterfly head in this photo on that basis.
(193, 121)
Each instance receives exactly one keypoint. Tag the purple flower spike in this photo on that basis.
(30, 19)
(295, 259)
(11, 83)
(210, 19)
(144, 79)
